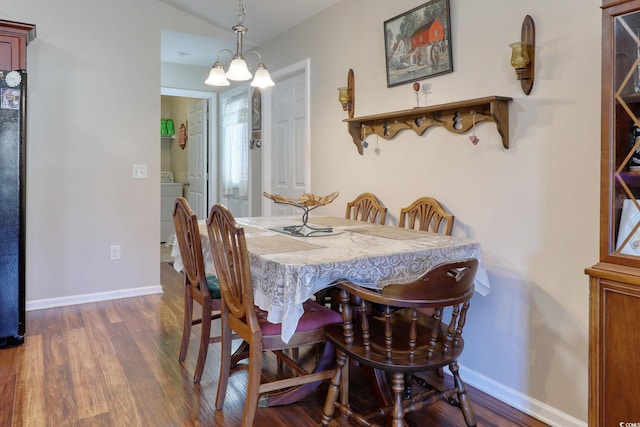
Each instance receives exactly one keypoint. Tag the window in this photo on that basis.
(234, 152)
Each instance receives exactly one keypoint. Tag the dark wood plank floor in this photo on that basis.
(115, 363)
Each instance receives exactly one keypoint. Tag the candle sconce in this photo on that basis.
(523, 55)
(346, 95)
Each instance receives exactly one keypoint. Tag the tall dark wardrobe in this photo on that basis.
(14, 38)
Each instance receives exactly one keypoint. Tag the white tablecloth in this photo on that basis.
(286, 270)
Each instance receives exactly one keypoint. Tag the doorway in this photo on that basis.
(209, 142)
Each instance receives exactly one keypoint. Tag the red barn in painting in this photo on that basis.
(425, 44)
(429, 33)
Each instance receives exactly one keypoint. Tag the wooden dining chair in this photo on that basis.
(426, 214)
(197, 285)
(404, 342)
(240, 315)
(366, 207)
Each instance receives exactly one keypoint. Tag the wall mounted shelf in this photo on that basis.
(457, 117)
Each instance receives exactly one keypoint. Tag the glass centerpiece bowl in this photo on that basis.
(307, 202)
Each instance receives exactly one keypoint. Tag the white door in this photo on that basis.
(289, 174)
(197, 143)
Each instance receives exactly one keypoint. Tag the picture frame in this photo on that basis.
(256, 119)
(418, 43)
(256, 110)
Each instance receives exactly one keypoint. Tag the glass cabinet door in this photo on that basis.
(620, 239)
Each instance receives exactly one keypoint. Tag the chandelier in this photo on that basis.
(238, 69)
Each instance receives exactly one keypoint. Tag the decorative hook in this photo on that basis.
(473, 138)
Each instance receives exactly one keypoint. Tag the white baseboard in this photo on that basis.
(86, 298)
(520, 401)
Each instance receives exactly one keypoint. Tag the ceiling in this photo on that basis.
(265, 19)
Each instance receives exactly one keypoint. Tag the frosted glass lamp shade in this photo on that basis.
(262, 78)
(216, 76)
(238, 70)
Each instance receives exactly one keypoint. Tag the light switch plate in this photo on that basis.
(115, 252)
(139, 171)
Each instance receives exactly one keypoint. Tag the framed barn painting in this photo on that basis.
(418, 43)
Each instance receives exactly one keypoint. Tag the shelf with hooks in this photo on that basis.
(457, 117)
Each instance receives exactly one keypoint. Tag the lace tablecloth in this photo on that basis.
(286, 271)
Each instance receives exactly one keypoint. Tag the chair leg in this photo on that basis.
(397, 413)
(295, 354)
(204, 340)
(463, 397)
(186, 328)
(225, 362)
(332, 393)
(344, 386)
(255, 374)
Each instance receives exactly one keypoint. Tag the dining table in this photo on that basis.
(290, 263)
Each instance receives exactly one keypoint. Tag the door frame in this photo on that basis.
(304, 67)
(212, 138)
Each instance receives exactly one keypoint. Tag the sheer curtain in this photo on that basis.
(234, 152)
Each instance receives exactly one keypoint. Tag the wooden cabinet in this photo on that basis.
(614, 283)
(14, 37)
(614, 345)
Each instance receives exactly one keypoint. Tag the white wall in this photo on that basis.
(93, 112)
(534, 208)
(94, 104)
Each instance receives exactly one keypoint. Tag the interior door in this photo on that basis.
(289, 153)
(197, 163)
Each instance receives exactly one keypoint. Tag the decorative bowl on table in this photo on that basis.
(307, 202)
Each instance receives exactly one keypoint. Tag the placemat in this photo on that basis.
(390, 232)
(249, 229)
(202, 227)
(330, 221)
(276, 244)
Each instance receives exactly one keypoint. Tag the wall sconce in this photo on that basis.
(523, 55)
(346, 95)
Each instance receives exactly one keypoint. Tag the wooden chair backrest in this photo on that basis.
(231, 258)
(447, 285)
(366, 207)
(188, 236)
(427, 214)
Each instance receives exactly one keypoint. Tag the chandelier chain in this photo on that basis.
(241, 11)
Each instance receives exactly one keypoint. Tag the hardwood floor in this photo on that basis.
(115, 363)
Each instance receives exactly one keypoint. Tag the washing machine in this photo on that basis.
(169, 190)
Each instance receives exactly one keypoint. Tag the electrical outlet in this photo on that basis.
(115, 252)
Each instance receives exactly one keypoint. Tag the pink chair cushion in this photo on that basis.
(315, 316)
